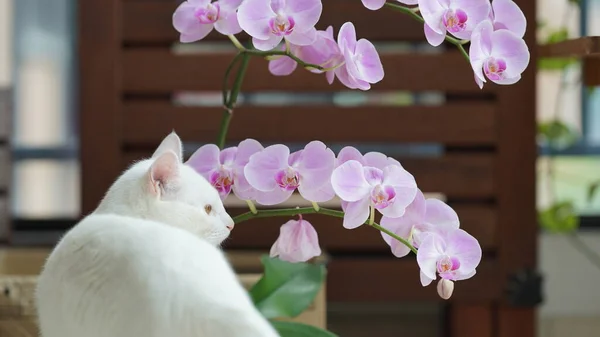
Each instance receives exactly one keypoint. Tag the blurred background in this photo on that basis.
(48, 148)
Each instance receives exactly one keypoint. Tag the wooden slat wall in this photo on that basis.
(5, 167)
(132, 67)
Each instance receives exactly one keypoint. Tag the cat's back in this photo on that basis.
(118, 276)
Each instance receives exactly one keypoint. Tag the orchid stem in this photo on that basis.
(236, 42)
(316, 206)
(372, 216)
(252, 207)
(310, 210)
(232, 99)
(413, 12)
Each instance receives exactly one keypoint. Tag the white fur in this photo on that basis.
(146, 262)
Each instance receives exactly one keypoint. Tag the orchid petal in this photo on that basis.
(432, 12)
(228, 22)
(441, 215)
(282, 66)
(227, 156)
(267, 44)
(306, 13)
(512, 49)
(373, 4)
(508, 15)
(273, 197)
(304, 38)
(434, 38)
(429, 251)
(263, 166)
(205, 159)
(356, 213)
(369, 67)
(349, 182)
(254, 16)
(464, 247)
(350, 153)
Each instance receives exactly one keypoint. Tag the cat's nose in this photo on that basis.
(230, 227)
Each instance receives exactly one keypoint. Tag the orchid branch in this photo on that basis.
(311, 210)
(413, 12)
(230, 100)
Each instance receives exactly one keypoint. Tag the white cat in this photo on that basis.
(145, 263)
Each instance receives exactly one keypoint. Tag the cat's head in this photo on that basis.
(164, 189)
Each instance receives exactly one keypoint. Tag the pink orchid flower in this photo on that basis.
(362, 65)
(506, 14)
(297, 242)
(422, 217)
(458, 17)
(277, 173)
(323, 52)
(453, 255)
(389, 190)
(270, 21)
(195, 19)
(224, 169)
(501, 55)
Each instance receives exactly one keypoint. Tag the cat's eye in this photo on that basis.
(208, 209)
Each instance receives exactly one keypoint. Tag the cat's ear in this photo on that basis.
(163, 176)
(170, 143)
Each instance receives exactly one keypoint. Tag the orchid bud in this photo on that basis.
(445, 288)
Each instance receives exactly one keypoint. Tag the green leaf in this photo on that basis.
(292, 329)
(287, 289)
(559, 218)
(557, 134)
(592, 190)
(558, 35)
(555, 63)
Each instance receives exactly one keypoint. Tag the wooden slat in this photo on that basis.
(392, 280)
(587, 46)
(479, 221)
(472, 320)
(159, 71)
(4, 218)
(99, 45)
(448, 174)
(151, 21)
(5, 167)
(453, 124)
(5, 96)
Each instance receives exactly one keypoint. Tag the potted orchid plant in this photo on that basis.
(489, 35)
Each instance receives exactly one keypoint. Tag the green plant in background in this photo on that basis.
(287, 289)
(561, 216)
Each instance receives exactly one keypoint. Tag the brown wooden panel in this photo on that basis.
(516, 322)
(391, 280)
(5, 97)
(455, 124)
(158, 70)
(448, 174)
(517, 154)
(591, 72)
(479, 221)
(472, 320)
(151, 21)
(4, 218)
(5, 167)
(99, 45)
